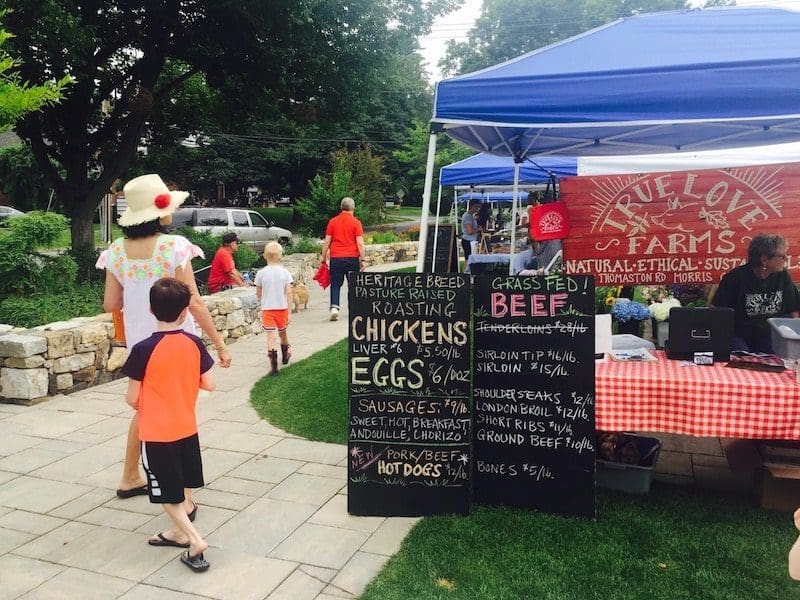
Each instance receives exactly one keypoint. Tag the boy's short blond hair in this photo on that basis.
(273, 252)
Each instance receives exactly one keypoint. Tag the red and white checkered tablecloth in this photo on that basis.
(681, 397)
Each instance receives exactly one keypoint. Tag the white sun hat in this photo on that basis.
(149, 199)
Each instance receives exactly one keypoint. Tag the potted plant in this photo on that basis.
(629, 315)
(660, 311)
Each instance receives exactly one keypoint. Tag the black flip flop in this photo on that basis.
(165, 541)
(139, 491)
(192, 514)
(198, 564)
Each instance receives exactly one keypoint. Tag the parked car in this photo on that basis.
(252, 229)
(6, 212)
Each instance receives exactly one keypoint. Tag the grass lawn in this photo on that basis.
(65, 239)
(673, 543)
(404, 213)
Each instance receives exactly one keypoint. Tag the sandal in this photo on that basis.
(162, 540)
(137, 491)
(198, 564)
(192, 514)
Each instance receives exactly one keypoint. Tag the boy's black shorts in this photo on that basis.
(170, 467)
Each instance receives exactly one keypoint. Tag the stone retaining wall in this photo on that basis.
(68, 356)
(379, 254)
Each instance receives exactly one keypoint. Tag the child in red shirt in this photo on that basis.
(166, 372)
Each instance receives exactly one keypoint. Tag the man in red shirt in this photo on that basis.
(223, 274)
(343, 248)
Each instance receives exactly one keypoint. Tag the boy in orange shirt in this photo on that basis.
(166, 372)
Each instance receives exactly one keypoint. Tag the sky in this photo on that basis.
(456, 25)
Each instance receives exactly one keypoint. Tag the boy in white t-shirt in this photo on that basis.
(274, 291)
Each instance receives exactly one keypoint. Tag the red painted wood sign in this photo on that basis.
(678, 227)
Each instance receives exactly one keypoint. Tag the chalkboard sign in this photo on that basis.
(446, 250)
(534, 426)
(409, 394)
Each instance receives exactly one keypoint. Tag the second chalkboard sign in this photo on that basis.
(534, 393)
(409, 381)
(445, 259)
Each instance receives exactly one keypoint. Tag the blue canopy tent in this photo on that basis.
(499, 197)
(663, 82)
(499, 170)
(467, 196)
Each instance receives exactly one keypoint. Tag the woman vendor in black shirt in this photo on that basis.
(758, 290)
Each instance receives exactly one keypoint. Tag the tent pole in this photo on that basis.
(426, 204)
(436, 226)
(514, 218)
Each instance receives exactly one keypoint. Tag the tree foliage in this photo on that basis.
(358, 174)
(508, 28)
(17, 97)
(413, 158)
(20, 178)
(24, 270)
(325, 192)
(294, 61)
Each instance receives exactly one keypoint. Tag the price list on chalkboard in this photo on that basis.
(409, 394)
(534, 394)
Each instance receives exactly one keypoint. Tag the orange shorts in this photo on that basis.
(275, 319)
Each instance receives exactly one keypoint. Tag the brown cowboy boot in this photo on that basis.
(273, 362)
(286, 353)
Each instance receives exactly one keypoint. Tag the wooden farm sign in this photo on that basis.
(678, 227)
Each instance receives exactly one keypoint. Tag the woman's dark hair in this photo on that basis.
(764, 245)
(143, 230)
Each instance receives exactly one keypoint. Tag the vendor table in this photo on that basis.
(681, 397)
(486, 261)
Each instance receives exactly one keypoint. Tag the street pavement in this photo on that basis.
(274, 508)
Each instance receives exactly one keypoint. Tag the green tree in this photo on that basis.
(368, 181)
(310, 56)
(413, 158)
(358, 174)
(279, 150)
(20, 178)
(509, 28)
(18, 98)
(325, 192)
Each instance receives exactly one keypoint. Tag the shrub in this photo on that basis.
(382, 237)
(24, 270)
(208, 243)
(324, 197)
(83, 300)
(412, 233)
(245, 257)
(305, 245)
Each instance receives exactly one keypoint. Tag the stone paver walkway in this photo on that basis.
(274, 509)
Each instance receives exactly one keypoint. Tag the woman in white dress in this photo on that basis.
(132, 265)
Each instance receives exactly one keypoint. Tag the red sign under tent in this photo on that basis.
(678, 227)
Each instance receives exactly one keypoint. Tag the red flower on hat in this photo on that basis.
(162, 200)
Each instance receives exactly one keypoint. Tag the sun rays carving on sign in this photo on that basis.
(677, 227)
